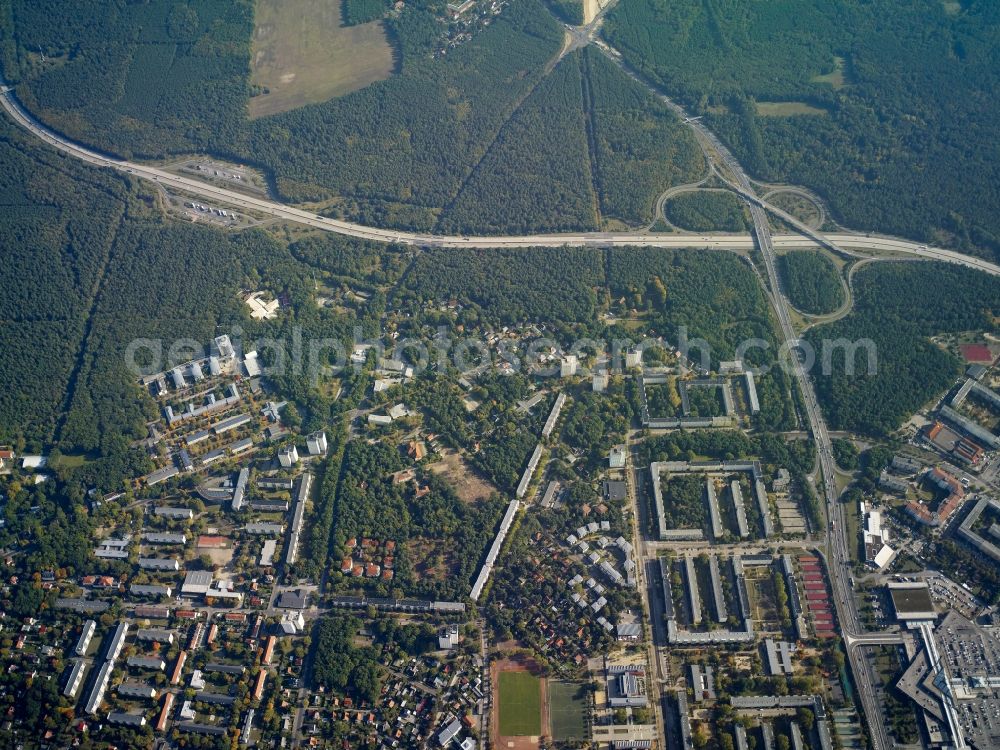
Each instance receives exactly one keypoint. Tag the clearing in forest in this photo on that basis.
(303, 54)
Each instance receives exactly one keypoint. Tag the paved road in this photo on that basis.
(224, 196)
(731, 171)
(646, 573)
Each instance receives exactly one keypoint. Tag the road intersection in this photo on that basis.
(717, 241)
(727, 168)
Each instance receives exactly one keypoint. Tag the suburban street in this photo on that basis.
(725, 165)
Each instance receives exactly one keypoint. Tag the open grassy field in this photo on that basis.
(567, 711)
(788, 109)
(303, 54)
(836, 78)
(520, 705)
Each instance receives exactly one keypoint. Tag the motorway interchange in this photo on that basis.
(729, 169)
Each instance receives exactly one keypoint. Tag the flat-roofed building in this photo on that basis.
(164, 537)
(912, 601)
(83, 643)
(75, 679)
(752, 399)
(197, 582)
(159, 563)
(137, 690)
(741, 514)
(100, 687)
(264, 529)
(239, 492)
(117, 641)
(146, 662)
(316, 444)
(206, 729)
(166, 511)
(150, 589)
(267, 553)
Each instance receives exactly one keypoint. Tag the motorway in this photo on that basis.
(844, 242)
(729, 170)
(838, 559)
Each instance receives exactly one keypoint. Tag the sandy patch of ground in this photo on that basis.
(302, 54)
(468, 485)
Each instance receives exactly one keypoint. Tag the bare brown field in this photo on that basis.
(302, 54)
(468, 485)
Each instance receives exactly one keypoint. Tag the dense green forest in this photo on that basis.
(897, 306)
(594, 421)
(59, 221)
(363, 11)
(811, 281)
(482, 138)
(414, 137)
(339, 665)
(639, 146)
(714, 295)
(710, 296)
(91, 265)
(536, 176)
(900, 134)
(370, 263)
(142, 79)
(548, 285)
(505, 454)
(371, 504)
(570, 11)
(705, 211)
(155, 78)
(148, 293)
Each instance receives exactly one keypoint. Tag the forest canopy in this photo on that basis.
(884, 109)
(811, 281)
(891, 311)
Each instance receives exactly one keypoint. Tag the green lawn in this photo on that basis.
(567, 711)
(520, 705)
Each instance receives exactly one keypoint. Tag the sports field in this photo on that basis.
(567, 711)
(303, 54)
(520, 705)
